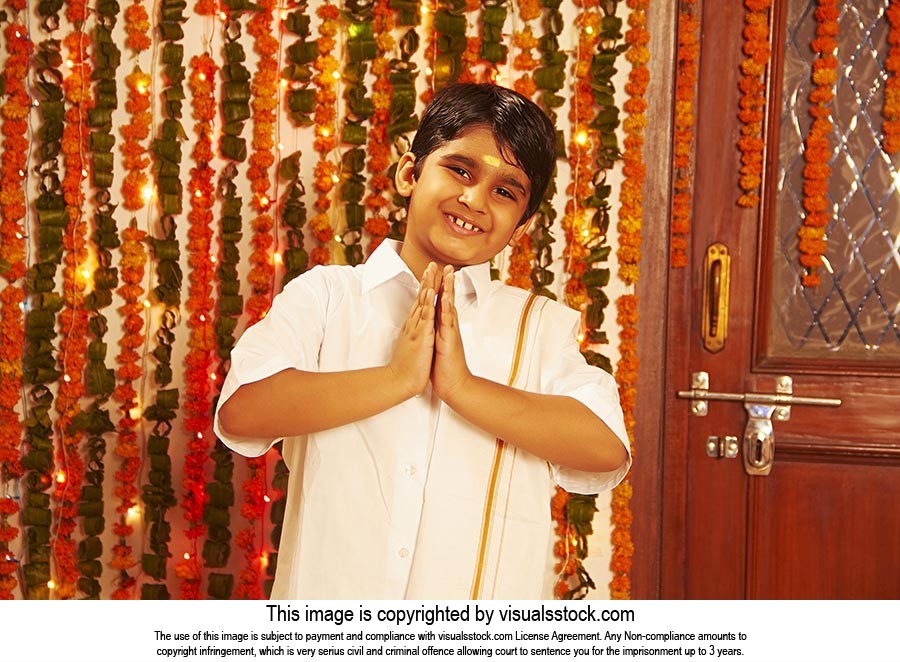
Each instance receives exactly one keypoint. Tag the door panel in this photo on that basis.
(825, 523)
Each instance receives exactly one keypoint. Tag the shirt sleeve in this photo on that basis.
(563, 371)
(289, 336)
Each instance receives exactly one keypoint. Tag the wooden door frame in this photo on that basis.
(663, 294)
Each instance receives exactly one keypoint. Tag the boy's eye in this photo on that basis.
(506, 193)
(462, 172)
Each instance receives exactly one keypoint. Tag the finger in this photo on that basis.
(449, 301)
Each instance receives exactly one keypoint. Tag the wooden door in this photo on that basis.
(825, 522)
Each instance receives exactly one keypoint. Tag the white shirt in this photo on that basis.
(396, 505)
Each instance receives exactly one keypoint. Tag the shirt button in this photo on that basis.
(410, 471)
(403, 552)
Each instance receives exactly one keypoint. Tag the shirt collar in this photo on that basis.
(386, 264)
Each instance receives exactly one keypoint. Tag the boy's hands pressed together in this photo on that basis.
(449, 373)
(414, 347)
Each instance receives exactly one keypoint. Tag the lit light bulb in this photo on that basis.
(202, 318)
(212, 258)
(263, 201)
(283, 82)
(425, 9)
(280, 146)
(141, 87)
(19, 235)
(133, 515)
(581, 138)
(85, 273)
(581, 337)
(134, 413)
(199, 435)
(428, 71)
(84, 172)
(266, 498)
(325, 132)
(187, 556)
(212, 376)
(223, 15)
(264, 561)
(284, 15)
(337, 238)
(336, 75)
(147, 192)
(70, 63)
(335, 179)
(51, 584)
(198, 193)
(146, 303)
(60, 476)
(201, 76)
(67, 379)
(589, 30)
(276, 258)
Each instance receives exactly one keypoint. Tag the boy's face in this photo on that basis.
(466, 205)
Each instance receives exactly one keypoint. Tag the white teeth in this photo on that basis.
(463, 224)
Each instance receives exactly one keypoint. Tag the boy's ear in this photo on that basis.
(521, 230)
(405, 176)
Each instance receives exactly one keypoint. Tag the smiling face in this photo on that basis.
(466, 204)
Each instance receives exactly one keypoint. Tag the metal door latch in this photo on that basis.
(759, 435)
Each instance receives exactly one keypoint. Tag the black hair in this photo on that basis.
(525, 135)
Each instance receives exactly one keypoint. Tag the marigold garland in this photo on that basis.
(630, 220)
(13, 168)
(137, 27)
(263, 104)
(378, 146)
(73, 318)
(325, 174)
(757, 51)
(685, 94)
(583, 139)
(132, 270)
(201, 342)
(891, 111)
(812, 238)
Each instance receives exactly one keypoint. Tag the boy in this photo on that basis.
(418, 471)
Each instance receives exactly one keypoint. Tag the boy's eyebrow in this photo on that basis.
(472, 164)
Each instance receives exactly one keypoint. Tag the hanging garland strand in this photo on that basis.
(582, 147)
(449, 27)
(325, 173)
(757, 51)
(198, 362)
(361, 49)
(891, 127)
(403, 110)
(262, 105)
(523, 254)
(136, 193)
(685, 94)
(594, 235)
(548, 78)
(235, 108)
(101, 380)
(43, 305)
(629, 254)
(817, 172)
(379, 149)
(166, 149)
(73, 319)
(300, 99)
(13, 167)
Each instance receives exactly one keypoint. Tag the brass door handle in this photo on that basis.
(716, 287)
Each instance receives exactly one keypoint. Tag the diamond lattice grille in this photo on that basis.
(854, 313)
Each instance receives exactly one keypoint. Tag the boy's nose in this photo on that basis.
(473, 197)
